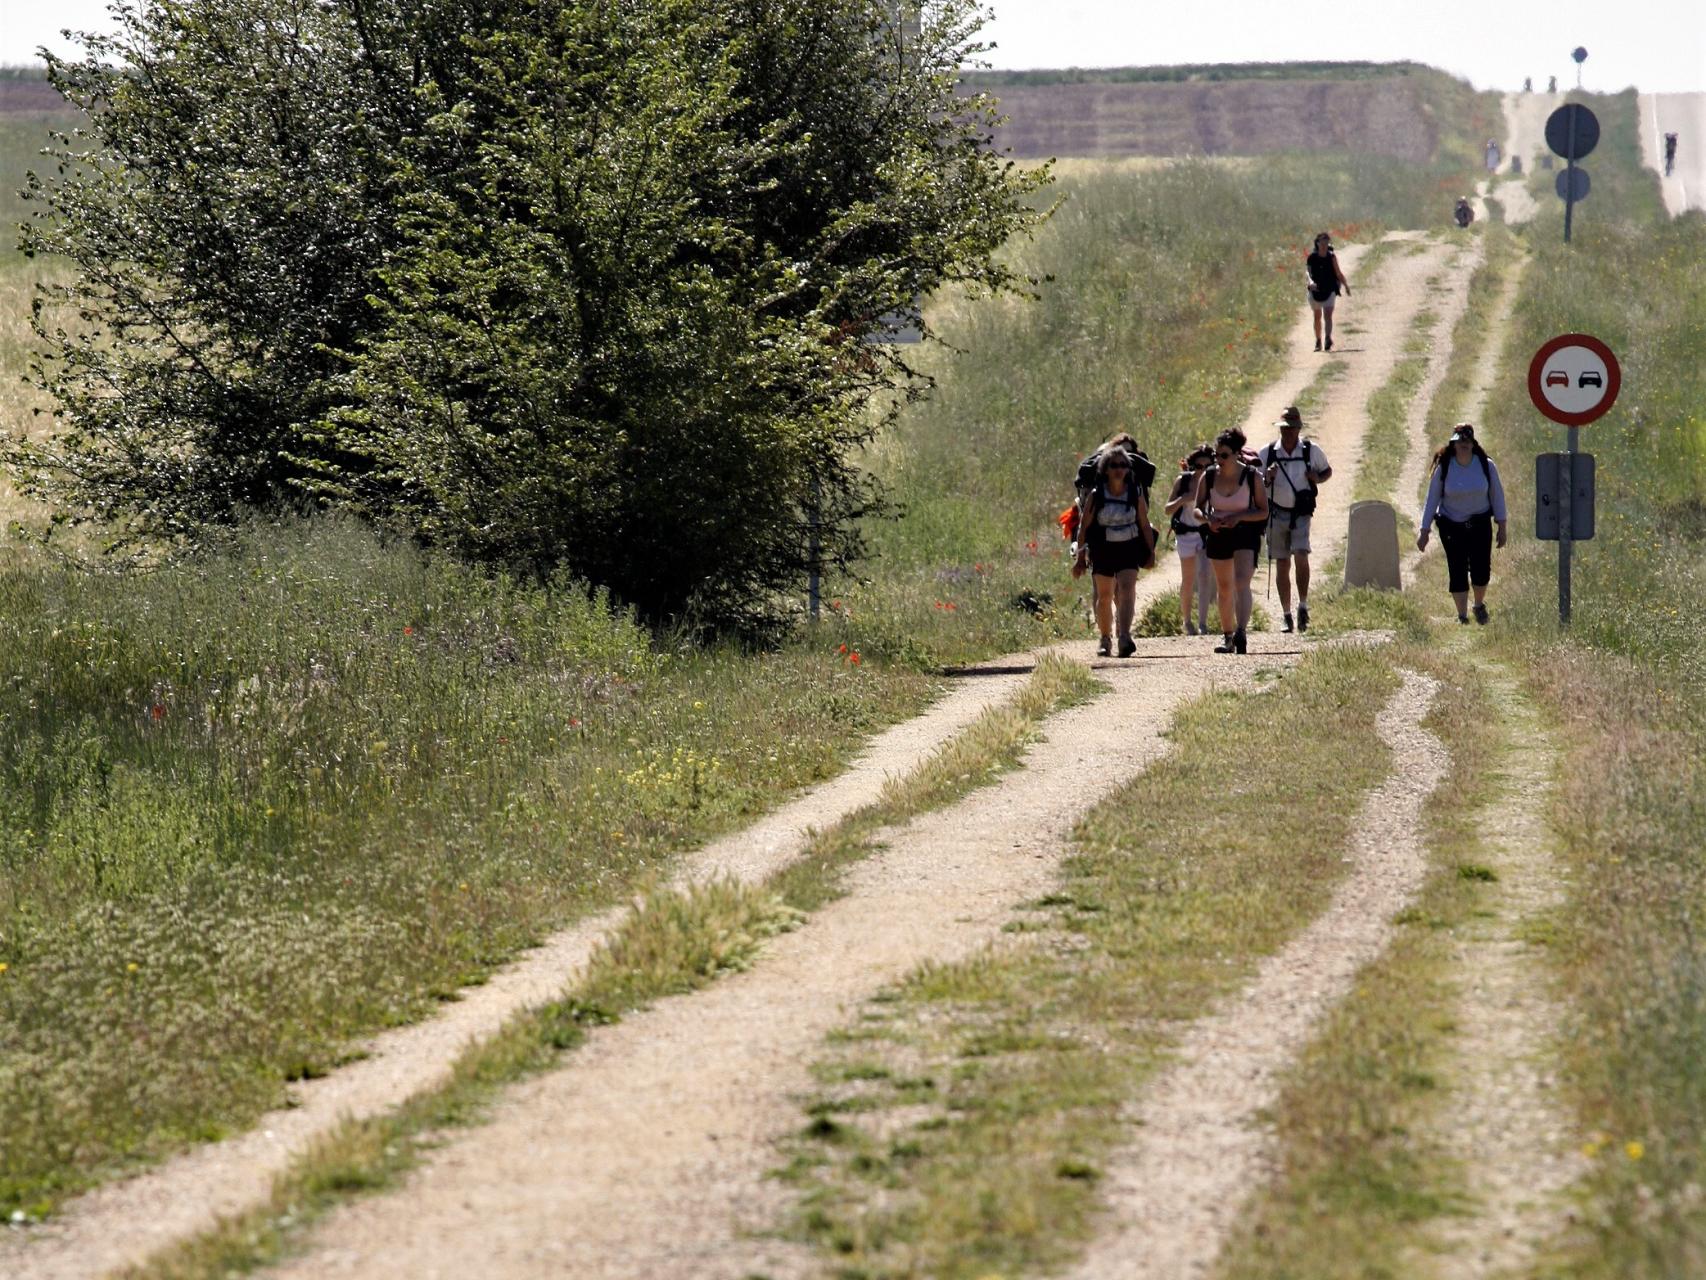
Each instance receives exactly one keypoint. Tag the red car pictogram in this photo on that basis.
(1557, 378)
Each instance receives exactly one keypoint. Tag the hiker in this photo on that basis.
(1293, 469)
(1528, 84)
(1551, 84)
(1325, 280)
(1467, 499)
(1464, 213)
(1074, 521)
(1196, 579)
(1117, 541)
(1670, 153)
(1234, 506)
(1493, 153)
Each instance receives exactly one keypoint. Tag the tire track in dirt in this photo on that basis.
(1507, 1126)
(646, 1154)
(125, 1221)
(1199, 1141)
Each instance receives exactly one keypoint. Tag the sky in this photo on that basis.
(1659, 46)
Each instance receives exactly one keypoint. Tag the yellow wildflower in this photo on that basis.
(1634, 1150)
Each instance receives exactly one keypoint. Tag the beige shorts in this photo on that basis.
(1285, 538)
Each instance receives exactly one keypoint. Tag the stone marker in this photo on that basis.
(1371, 547)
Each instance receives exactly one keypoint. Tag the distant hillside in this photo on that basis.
(24, 91)
(1401, 110)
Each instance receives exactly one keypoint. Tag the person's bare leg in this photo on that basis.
(1104, 605)
(1187, 588)
(1317, 311)
(1480, 594)
(1226, 587)
(1282, 579)
(1302, 559)
(1125, 599)
(1328, 313)
(1207, 594)
(1244, 566)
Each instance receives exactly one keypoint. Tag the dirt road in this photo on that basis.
(1683, 114)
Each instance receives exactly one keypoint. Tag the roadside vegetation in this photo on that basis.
(1627, 690)
(674, 942)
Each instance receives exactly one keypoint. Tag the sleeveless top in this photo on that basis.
(1187, 515)
(1236, 503)
(1323, 273)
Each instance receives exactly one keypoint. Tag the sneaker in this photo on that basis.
(1463, 618)
(1329, 344)
(1190, 627)
(1128, 646)
(1104, 646)
(1317, 344)
(1481, 614)
(1239, 640)
(1227, 645)
(1302, 616)
(1286, 627)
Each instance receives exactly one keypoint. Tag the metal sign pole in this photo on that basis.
(1570, 175)
(1566, 520)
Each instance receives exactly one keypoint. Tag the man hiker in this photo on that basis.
(1294, 469)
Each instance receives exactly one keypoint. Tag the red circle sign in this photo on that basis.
(1574, 379)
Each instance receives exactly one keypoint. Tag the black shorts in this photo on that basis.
(1109, 558)
(1223, 544)
(1468, 548)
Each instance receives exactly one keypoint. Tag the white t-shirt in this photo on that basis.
(1293, 477)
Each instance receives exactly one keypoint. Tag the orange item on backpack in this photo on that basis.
(1069, 523)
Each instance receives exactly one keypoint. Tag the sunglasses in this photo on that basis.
(1224, 457)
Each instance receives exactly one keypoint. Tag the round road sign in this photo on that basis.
(1573, 379)
(1558, 130)
(1571, 184)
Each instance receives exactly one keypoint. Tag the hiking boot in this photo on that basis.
(1239, 640)
(1302, 616)
(1104, 646)
(1227, 645)
(1317, 344)
(1285, 626)
(1463, 618)
(1190, 627)
(1481, 614)
(1128, 646)
(1329, 344)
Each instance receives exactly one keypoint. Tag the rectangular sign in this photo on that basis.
(1548, 486)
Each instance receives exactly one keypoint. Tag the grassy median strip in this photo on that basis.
(964, 1116)
(675, 941)
(1357, 1173)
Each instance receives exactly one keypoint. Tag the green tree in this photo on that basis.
(579, 284)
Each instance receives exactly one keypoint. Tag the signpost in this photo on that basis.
(1573, 132)
(1573, 379)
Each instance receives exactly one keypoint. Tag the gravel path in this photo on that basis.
(1199, 1137)
(1525, 136)
(123, 1222)
(646, 1154)
(1683, 114)
(1508, 1127)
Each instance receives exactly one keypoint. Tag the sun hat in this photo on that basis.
(1462, 431)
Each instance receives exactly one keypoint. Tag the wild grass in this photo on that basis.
(674, 941)
(256, 805)
(964, 1116)
(1627, 685)
(1361, 1169)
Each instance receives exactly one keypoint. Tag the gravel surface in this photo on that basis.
(1508, 1127)
(123, 1222)
(1198, 1137)
(1683, 114)
(646, 1155)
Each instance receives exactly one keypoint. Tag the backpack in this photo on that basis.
(1303, 500)
(1213, 471)
(1486, 471)
(1142, 471)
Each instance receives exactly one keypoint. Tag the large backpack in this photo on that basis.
(1142, 471)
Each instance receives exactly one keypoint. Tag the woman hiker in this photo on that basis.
(1232, 502)
(1466, 499)
(1196, 579)
(1325, 281)
(1116, 543)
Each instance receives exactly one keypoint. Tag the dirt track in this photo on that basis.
(1683, 114)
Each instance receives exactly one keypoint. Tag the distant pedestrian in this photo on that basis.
(1233, 503)
(1670, 153)
(1324, 280)
(1294, 469)
(1116, 542)
(1551, 84)
(1466, 499)
(1196, 579)
(1493, 154)
(1528, 84)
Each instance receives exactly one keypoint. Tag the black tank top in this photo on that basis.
(1323, 273)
